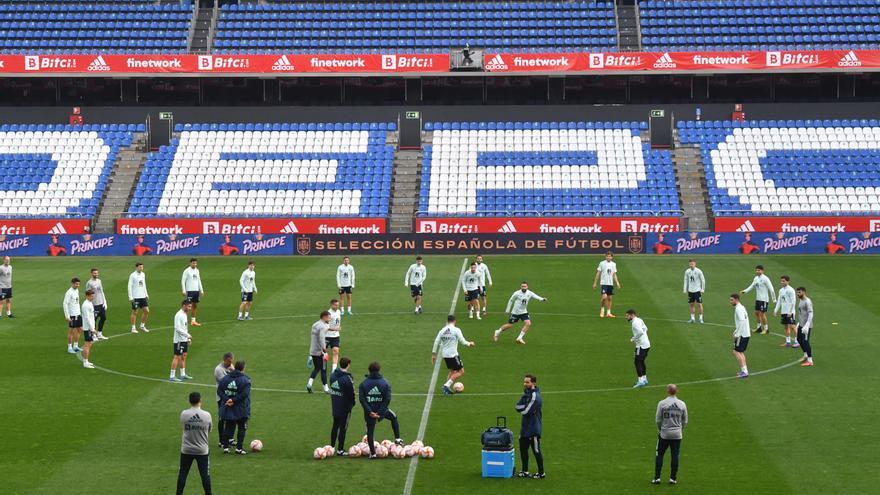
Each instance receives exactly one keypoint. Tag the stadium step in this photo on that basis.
(120, 185)
(692, 188)
(201, 34)
(629, 37)
(405, 184)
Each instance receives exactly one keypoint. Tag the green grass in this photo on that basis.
(792, 430)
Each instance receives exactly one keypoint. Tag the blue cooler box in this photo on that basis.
(498, 464)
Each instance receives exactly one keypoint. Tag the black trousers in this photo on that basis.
(340, 427)
(371, 427)
(100, 317)
(533, 443)
(230, 426)
(662, 445)
(640, 356)
(221, 429)
(804, 341)
(318, 366)
(203, 463)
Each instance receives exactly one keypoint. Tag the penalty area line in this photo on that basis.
(423, 424)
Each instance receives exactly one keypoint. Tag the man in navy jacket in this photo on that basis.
(342, 401)
(235, 401)
(529, 406)
(375, 396)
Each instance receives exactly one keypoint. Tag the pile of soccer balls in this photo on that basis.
(386, 448)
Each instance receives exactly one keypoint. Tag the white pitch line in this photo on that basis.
(423, 424)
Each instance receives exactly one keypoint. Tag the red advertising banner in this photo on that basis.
(250, 226)
(546, 225)
(797, 224)
(42, 226)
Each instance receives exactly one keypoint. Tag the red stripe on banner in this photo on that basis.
(797, 224)
(547, 225)
(42, 226)
(331, 226)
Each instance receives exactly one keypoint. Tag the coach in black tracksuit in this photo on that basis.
(375, 396)
(529, 406)
(342, 399)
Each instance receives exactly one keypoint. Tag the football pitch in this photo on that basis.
(114, 429)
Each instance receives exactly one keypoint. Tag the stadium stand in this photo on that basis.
(372, 27)
(106, 26)
(688, 25)
(58, 170)
(549, 169)
(268, 170)
(786, 167)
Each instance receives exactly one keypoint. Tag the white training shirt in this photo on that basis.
(137, 286)
(447, 341)
(5, 276)
(248, 280)
(191, 281)
(606, 269)
(335, 322)
(485, 276)
(694, 281)
(180, 327)
(416, 274)
(785, 303)
(88, 314)
(763, 288)
(741, 320)
(345, 275)
(640, 334)
(96, 286)
(71, 303)
(470, 280)
(519, 302)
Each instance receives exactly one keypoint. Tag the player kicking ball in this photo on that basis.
(447, 342)
(470, 282)
(607, 272)
(518, 308)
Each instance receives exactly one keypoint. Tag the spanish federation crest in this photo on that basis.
(303, 245)
(636, 244)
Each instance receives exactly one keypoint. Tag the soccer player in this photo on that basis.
(196, 425)
(342, 401)
(694, 286)
(224, 368)
(89, 333)
(785, 304)
(332, 337)
(607, 272)
(470, 283)
(485, 281)
(138, 297)
(763, 293)
(73, 315)
(447, 342)
(375, 397)
(6, 287)
(248, 283)
(191, 286)
(345, 281)
(415, 277)
(235, 388)
(518, 308)
(741, 334)
(95, 285)
(318, 351)
(805, 325)
(182, 339)
(643, 345)
(671, 418)
(529, 406)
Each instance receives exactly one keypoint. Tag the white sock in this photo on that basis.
(448, 384)
(764, 326)
(521, 335)
(326, 388)
(498, 332)
(239, 314)
(247, 313)
(172, 373)
(809, 359)
(143, 325)
(311, 380)
(334, 368)
(701, 317)
(70, 346)
(182, 371)
(692, 316)
(132, 327)
(788, 340)
(745, 369)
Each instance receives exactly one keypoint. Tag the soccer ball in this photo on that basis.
(428, 453)
(354, 451)
(256, 445)
(319, 453)
(387, 443)
(418, 442)
(382, 452)
(365, 449)
(458, 387)
(416, 449)
(329, 450)
(409, 451)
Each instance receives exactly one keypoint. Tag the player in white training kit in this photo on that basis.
(485, 281)
(643, 345)
(99, 302)
(805, 325)
(785, 305)
(607, 272)
(446, 342)
(191, 286)
(6, 287)
(694, 287)
(332, 336)
(90, 333)
(470, 283)
(741, 335)
(73, 315)
(138, 297)
(518, 308)
(248, 284)
(345, 281)
(182, 340)
(763, 293)
(415, 277)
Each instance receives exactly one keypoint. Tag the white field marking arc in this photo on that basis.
(478, 394)
(423, 424)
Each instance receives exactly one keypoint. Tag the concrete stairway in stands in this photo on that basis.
(629, 37)
(405, 182)
(123, 179)
(201, 36)
(692, 189)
